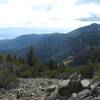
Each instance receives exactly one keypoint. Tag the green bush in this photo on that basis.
(38, 69)
(7, 79)
(50, 74)
(24, 72)
(87, 70)
(96, 76)
(70, 70)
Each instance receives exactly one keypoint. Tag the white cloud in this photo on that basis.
(44, 13)
(88, 1)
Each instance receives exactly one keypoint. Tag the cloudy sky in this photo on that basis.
(40, 16)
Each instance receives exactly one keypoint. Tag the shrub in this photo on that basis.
(96, 76)
(7, 79)
(87, 70)
(50, 74)
(24, 72)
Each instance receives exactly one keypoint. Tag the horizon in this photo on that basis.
(18, 17)
(26, 34)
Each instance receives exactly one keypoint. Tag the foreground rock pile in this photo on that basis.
(78, 88)
(73, 88)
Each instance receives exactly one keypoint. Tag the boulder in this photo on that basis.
(11, 97)
(2, 91)
(85, 83)
(83, 95)
(70, 86)
(73, 96)
(96, 98)
(79, 78)
(74, 86)
(88, 98)
(53, 95)
(97, 90)
(74, 76)
(51, 88)
(63, 87)
(64, 83)
(19, 92)
(92, 87)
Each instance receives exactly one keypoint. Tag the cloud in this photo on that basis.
(43, 7)
(36, 12)
(3, 1)
(88, 2)
(46, 14)
(88, 19)
(92, 18)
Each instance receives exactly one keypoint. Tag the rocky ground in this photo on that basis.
(73, 88)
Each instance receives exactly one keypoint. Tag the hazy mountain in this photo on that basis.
(61, 47)
(12, 32)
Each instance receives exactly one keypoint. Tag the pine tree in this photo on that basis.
(30, 58)
(9, 58)
(52, 64)
(14, 58)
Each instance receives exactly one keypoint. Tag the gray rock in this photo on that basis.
(64, 83)
(96, 98)
(88, 98)
(85, 83)
(83, 95)
(63, 98)
(73, 96)
(11, 97)
(53, 95)
(74, 76)
(2, 91)
(74, 86)
(92, 87)
(51, 88)
(63, 88)
(97, 90)
(79, 78)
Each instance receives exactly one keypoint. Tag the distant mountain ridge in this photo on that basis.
(56, 46)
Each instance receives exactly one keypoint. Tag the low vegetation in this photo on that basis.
(12, 68)
(7, 79)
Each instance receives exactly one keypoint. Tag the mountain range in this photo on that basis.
(69, 47)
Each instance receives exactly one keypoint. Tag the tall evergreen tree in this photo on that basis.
(14, 58)
(9, 58)
(30, 58)
(52, 64)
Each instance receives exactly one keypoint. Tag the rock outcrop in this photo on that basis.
(73, 88)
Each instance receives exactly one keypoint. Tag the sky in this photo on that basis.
(19, 17)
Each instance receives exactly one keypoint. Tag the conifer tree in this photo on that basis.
(30, 58)
(9, 58)
(52, 64)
